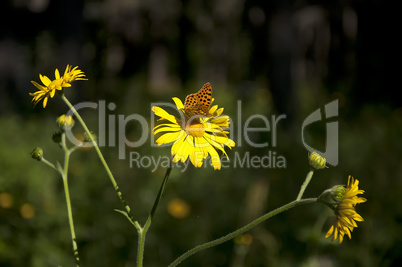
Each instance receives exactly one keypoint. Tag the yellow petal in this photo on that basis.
(215, 159)
(168, 138)
(167, 129)
(57, 74)
(219, 111)
(177, 145)
(66, 71)
(178, 103)
(213, 109)
(40, 87)
(163, 114)
(45, 80)
(44, 102)
(330, 231)
(52, 92)
(197, 158)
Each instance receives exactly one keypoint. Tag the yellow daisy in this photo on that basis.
(346, 215)
(49, 87)
(194, 136)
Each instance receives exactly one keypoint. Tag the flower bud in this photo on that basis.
(316, 161)
(37, 154)
(338, 192)
(87, 138)
(65, 122)
(56, 137)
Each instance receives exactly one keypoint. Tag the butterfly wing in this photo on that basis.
(200, 102)
(190, 101)
(204, 97)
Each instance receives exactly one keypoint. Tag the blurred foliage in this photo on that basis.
(277, 57)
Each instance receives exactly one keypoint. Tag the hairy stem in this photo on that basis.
(64, 174)
(305, 184)
(102, 159)
(242, 230)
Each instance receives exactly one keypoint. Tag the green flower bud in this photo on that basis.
(56, 137)
(37, 154)
(338, 192)
(316, 161)
(87, 138)
(65, 122)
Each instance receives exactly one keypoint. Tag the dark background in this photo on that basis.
(277, 57)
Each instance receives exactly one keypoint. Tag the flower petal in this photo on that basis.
(163, 114)
(57, 74)
(178, 103)
(168, 138)
(45, 80)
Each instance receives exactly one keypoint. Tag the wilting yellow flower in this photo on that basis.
(346, 215)
(194, 136)
(49, 87)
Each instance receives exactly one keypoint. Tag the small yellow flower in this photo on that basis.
(195, 136)
(49, 87)
(346, 215)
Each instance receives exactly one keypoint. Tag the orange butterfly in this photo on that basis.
(199, 103)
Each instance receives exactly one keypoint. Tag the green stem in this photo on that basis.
(242, 230)
(68, 201)
(142, 232)
(51, 165)
(305, 184)
(102, 159)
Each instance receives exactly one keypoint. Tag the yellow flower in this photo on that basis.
(346, 215)
(49, 87)
(71, 75)
(194, 136)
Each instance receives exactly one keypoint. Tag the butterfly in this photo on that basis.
(199, 103)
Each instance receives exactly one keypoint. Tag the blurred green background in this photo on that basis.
(277, 57)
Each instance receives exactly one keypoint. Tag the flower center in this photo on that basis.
(56, 84)
(196, 130)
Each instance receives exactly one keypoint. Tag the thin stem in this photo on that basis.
(68, 201)
(143, 231)
(102, 159)
(305, 184)
(48, 163)
(74, 148)
(242, 230)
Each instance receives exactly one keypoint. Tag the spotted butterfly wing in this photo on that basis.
(190, 102)
(200, 102)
